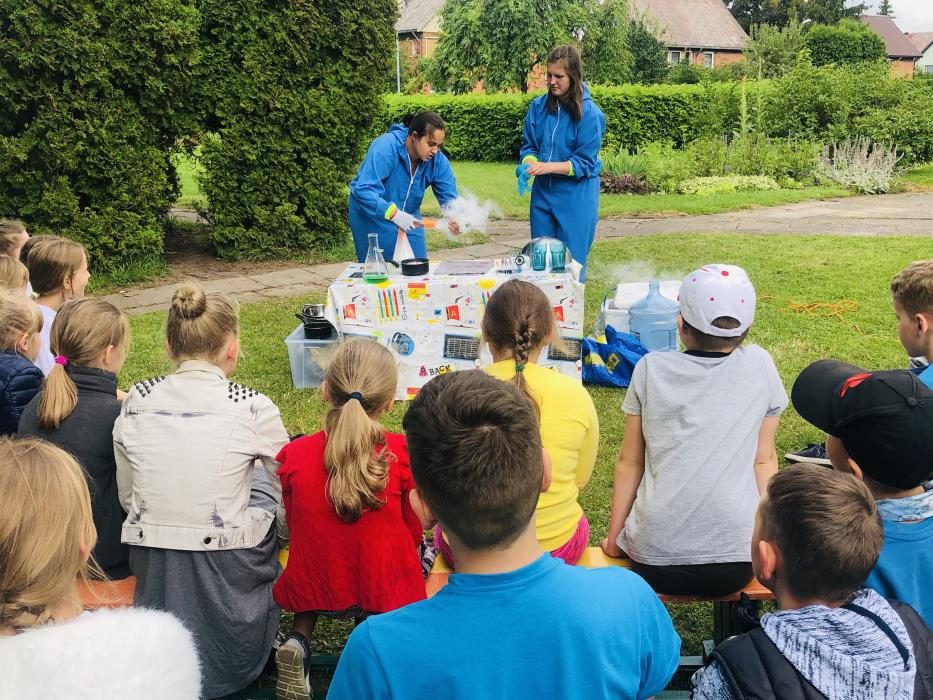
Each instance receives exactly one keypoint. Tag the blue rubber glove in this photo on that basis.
(524, 179)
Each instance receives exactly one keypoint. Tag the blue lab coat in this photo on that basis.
(562, 206)
(384, 179)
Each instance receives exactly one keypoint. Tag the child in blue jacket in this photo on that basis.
(561, 140)
(388, 189)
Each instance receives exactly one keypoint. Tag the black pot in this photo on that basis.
(415, 267)
(315, 328)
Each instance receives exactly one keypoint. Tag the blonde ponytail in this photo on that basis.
(361, 382)
(82, 332)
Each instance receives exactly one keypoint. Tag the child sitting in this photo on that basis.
(13, 236)
(513, 622)
(20, 379)
(880, 428)
(699, 444)
(201, 513)
(77, 407)
(816, 537)
(14, 277)
(912, 292)
(58, 271)
(354, 535)
(48, 647)
(518, 325)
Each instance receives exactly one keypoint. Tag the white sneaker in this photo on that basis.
(293, 662)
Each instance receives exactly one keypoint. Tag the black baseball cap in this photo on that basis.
(884, 419)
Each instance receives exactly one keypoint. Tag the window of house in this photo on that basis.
(708, 59)
(930, 69)
(673, 57)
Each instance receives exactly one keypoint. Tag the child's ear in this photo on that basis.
(233, 350)
(923, 322)
(325, 392)
(769, 557)
(22, 343)
(546, 477)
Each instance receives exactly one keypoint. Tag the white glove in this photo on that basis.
(404, 220)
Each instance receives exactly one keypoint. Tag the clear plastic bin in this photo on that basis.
(308, 357)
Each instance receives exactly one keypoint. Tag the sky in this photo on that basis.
(910, 15)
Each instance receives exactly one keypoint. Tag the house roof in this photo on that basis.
(416, 14)
(921, 40)
(706, 24)
(897, 45)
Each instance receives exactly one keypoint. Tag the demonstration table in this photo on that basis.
(431, 323)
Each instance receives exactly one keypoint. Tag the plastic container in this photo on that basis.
(653, 320)
(306, 355)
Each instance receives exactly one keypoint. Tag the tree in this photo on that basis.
(649, 54)
(772, 51)
(607, 59)
(502, 42)
(846, 42)
(779, 12)
(885, 8)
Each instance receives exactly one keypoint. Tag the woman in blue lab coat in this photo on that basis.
(388, 189)
(561, 140)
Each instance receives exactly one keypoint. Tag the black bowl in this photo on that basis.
(318, 329)
(415, 267)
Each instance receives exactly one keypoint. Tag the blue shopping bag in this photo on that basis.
(611, 363)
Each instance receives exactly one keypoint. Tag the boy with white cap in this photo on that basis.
(699, 444)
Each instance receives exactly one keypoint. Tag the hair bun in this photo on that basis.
(189, 301)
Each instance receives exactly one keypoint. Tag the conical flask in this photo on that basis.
(375, 269)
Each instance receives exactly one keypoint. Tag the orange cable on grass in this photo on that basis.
(832, 309)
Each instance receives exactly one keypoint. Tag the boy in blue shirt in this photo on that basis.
(880, 428)
(513, 622)
(912, 292)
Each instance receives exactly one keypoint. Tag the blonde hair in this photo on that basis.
(913, 287)
(53, 260)
(10, 231)
(200, 325)
(82, 332)
(18, 316)
(13, 274)
(46, 529)
(361, 381)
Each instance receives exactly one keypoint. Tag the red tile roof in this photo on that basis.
(898, 45)
(698, 24)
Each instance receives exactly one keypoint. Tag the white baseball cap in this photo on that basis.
(714, 291)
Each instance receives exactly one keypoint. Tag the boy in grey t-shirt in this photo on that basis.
(699, 444)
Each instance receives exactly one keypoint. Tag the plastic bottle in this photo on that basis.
(375, 268)
(653, 320)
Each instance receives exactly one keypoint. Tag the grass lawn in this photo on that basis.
(496, 182)
(788, 272)
(918, 179)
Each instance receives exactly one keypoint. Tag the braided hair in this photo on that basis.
(518, 321)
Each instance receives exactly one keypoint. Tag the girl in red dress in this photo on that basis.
(354, 534)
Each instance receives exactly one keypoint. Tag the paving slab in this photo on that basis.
(884, 215)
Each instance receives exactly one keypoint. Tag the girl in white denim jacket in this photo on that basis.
(201, 511)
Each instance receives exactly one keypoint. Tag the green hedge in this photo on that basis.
(847, 42)
(291, 89)
(489, 127)
(93, 96)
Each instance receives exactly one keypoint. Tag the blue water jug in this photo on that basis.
(653, 320)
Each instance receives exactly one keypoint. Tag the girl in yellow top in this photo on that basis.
(518, 325)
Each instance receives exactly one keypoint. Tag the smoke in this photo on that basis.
(639, 271)
(470, 213)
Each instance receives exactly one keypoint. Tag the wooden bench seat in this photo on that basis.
(107, 594)
(724, 624)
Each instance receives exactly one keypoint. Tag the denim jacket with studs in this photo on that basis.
(186, 446)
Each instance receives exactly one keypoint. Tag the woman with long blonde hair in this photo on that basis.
(48, 648)
(77, 407)
(196, 474)
(354, 535)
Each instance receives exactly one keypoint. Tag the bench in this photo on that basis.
(724, 622)
(107, 594)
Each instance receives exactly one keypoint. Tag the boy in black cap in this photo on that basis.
(880, 428)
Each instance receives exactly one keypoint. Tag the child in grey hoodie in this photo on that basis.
(817, 535)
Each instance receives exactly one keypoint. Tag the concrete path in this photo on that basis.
(887, 215)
